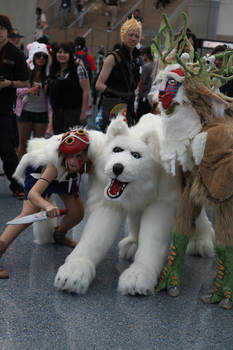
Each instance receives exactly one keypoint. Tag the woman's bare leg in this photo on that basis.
(39, 129)
(25, 130)
(75, 213)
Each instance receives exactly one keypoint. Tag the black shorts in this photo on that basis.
(33, 117)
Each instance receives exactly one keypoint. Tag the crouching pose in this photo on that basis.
(51, 166)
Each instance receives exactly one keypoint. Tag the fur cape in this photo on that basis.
(41, 152)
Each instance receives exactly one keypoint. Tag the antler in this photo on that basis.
(167, 31)
(226, 69)
(183, 39)
(157, 41)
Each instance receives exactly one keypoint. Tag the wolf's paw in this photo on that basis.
(201, 247)
(75, 276)
(137, 279)
(127, 248)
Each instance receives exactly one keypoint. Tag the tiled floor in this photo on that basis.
(36, 316)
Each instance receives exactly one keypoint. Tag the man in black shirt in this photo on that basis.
(13, 74)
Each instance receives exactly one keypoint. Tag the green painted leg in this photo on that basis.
(226, 302)
(217, 294)
(170, 275)
(223, 285)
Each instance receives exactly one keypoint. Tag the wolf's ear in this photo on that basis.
(152, 141)
(97, 141)
(150, 138)
(117, 127)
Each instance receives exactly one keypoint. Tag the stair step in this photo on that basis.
(96, 20)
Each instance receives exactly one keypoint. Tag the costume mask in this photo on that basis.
(170, 86)
(74, 142)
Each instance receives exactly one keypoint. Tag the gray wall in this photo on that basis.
(22, 16)
(225, 23)
(203, 17)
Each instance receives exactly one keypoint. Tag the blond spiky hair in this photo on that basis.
(130, 24)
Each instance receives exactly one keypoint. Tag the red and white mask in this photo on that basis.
(170, 86)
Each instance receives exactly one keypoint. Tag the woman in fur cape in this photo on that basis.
(51, 166)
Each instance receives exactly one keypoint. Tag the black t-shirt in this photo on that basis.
(65, 92)
(13, 66)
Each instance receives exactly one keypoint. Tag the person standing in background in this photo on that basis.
(160, 1)
(32, 104)
(137, 15)
(99, 60)
(15, 39)
(41, 24)
(112, 6)
(13, 74)
(65, 10)
(144, 84)
(119, 76)
(78, 12)
(68, 89)
(81, 52)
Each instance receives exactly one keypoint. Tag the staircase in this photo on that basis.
(95, 22)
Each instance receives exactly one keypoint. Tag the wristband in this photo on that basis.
(12, 84)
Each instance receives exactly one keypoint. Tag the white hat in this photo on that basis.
(34, 48)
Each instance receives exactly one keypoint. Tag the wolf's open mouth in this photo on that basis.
(116, 188)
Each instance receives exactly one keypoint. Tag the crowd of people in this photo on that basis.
(58, 83)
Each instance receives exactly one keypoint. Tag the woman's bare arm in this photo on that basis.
(40, 186)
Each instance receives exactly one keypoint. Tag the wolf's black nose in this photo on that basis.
(118, 168)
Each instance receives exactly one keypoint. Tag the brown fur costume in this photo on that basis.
(211, 183)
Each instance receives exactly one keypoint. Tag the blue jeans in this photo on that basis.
(80, 21)
(64, 16)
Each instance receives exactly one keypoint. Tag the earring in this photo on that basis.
(85, 167)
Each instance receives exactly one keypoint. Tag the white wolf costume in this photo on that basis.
(127, 169)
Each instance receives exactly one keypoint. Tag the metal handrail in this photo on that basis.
(87, 32)
(50, 5)
(82, 14)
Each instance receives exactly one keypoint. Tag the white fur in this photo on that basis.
(40, 152)
(198, 147)
(149, 201)
(218, 108)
